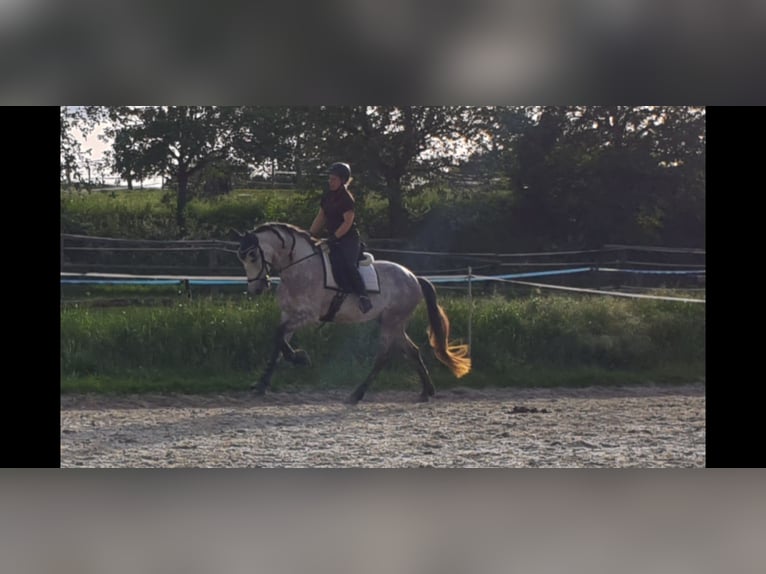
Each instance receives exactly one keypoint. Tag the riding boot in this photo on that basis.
(364, 303)
(335, 304)
(358, 283)
(349, 247)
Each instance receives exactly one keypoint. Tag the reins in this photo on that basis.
(309, 256)
(269, 267)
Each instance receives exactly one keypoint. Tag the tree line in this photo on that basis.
(576, 175)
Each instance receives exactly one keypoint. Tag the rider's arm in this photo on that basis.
(348, 221)
(318, 223)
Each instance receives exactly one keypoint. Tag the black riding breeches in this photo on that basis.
(344, 256)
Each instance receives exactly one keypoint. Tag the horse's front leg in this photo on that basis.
(282, 346)
(294, 356)
(290, 323)
(296, 319)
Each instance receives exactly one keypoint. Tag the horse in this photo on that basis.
(303, 299)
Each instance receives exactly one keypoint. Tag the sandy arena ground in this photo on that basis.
(647, 426)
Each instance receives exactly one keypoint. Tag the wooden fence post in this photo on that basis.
(212, 258)
(470, 310)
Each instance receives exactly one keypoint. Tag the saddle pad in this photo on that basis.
(368, 272)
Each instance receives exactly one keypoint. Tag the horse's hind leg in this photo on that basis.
(384, 353)
(412, 351)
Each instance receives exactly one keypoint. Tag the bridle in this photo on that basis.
(267, 267)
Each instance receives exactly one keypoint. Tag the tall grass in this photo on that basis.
(563, 331)
(135, 214)
(533, 341)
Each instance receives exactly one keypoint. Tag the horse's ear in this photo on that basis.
(235, 235)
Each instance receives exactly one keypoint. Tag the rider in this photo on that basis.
(336, 213)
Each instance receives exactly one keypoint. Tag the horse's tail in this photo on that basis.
(454, 356)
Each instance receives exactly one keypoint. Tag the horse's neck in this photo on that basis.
(279, 256)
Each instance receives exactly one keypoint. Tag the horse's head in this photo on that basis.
(250, 254)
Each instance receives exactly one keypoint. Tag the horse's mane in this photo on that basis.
(288, 227)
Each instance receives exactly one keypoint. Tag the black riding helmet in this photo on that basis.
(342, 170)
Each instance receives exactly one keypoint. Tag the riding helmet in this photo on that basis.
(342, 170)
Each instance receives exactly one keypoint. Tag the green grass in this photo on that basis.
(150, 214)
(210, 344)
(80, 296)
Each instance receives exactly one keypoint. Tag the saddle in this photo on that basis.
(367, 271)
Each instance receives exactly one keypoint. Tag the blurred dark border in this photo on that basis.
(420, 521)
(347, 51)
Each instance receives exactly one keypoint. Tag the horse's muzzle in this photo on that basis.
(257, 287)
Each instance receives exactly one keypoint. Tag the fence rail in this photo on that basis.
(83, 257)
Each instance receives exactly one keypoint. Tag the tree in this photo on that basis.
(76, 122)
(389, 147)
(586, 175)
(500, 127)
(73, 119)
(177, 142)
(70, 148)
(129, 156)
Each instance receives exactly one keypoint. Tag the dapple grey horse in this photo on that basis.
(303, 299)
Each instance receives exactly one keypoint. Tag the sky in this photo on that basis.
(99, 147)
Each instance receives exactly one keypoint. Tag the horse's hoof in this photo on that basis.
(258, 389)
(353, 399)
(423, 398)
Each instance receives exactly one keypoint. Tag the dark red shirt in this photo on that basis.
(335, 204)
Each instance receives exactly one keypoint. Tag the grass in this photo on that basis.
(295, 379)
(150, 214)
(215, 344)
